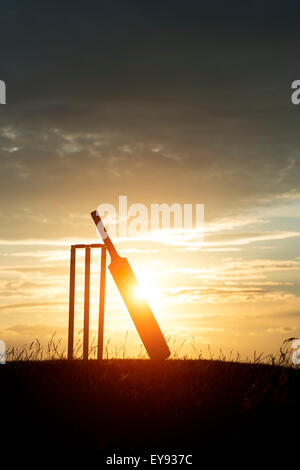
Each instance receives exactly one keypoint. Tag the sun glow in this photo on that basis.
(147, 290)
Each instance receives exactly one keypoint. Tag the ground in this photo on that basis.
(139, 407)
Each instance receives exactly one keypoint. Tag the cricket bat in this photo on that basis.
(138, 308)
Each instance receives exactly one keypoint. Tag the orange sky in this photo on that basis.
(238, 292)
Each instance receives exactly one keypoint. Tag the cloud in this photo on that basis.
(233, 281)
(33, 330)
(188, 295)
(239, 270)
(281, 329)
(31, 304)
(22, 335)
(196, 115)
(51, 270)
(246, 238)
(24, 288)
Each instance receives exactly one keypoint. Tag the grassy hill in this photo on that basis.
(138, 406)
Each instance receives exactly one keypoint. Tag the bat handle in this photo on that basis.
(102, 230)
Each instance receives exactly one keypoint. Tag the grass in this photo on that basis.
(131, 406)
(55, 350)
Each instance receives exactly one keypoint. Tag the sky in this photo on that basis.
(186, 102)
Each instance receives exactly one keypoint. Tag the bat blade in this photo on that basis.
(139, 310)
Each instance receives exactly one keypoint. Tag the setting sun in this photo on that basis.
(148, 290)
